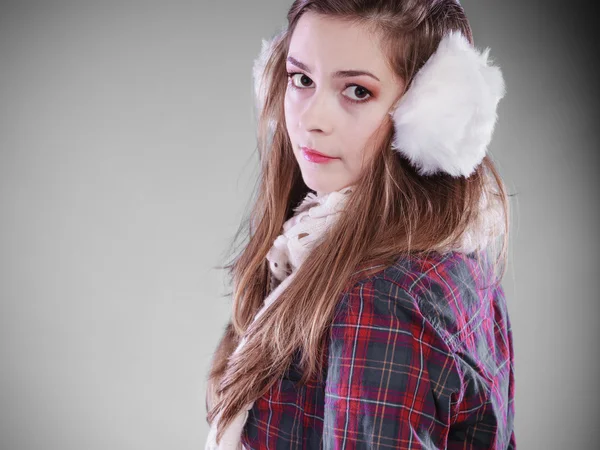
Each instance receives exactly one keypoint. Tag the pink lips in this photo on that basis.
(314, 156)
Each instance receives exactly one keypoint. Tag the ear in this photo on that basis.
(445, 120)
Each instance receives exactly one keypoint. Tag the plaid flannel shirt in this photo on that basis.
(418, 358)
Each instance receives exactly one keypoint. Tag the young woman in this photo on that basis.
(367, 305)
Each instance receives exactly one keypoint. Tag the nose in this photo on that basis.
(317, 115)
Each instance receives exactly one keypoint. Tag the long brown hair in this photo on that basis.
(392, 211)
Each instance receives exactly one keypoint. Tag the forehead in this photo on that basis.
(328, 44)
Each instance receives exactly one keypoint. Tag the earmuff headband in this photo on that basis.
(445, 121)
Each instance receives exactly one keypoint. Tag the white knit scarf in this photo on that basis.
(300, 233)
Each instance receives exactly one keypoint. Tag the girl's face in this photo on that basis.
(340, 89)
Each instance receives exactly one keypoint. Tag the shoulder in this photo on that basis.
(387, 363)
(447, 291)
(428, 340)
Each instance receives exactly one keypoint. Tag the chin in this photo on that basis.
(319, 179)
(315, 185)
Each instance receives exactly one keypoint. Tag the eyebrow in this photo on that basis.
(338, 74)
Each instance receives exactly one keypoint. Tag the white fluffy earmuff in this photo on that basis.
(258, 71)
(445, 120)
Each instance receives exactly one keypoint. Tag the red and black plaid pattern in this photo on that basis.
(419, 357)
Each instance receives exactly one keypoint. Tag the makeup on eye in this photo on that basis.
(336, 74)
(291, 75)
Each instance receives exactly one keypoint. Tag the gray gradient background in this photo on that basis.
(127, 155)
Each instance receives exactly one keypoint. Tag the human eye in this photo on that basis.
(292, 76)
(363, 94)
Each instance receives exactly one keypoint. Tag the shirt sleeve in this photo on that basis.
(391, 381)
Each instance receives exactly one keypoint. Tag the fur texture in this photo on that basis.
(445, 120)
(258, 73)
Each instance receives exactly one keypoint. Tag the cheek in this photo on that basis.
(289, 111)
(360, 140)
(360, 134)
